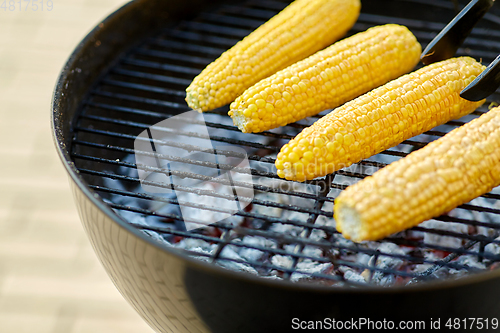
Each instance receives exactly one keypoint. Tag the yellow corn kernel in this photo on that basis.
(341, 127)
(333, 76)
(433, 182)
(298, 31)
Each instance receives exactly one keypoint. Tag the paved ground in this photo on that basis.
(50, 280)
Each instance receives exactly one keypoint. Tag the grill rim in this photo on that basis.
(64, 111)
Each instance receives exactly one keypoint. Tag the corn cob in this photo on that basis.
(298, 31)
(327, 79)
(380, 119)
(446, 173)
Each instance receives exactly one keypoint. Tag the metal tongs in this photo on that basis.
(447, 42)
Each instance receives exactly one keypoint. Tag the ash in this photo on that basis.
(285, 248)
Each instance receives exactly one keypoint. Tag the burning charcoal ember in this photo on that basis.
(295, 216)
(312, 251)
(421, 268)
(381, 279)
(267, 210)
(271, 277)
(345, 180)
(291, 248)
(196, 245)
(365, 259)
(310, 267)
(412, 235)
(282, 261)
(286, 229)
(325, 221)
(324, 231)
(206, 215)
(131, 216)
(368, 245)
(493, 248)
(303, 202)
(494, 265)
(254, 254)
(156, 236)
(328, 206)
(317, 235)
(469, 215)
(488, 232)
(387, 262)
(343, 243)
(230, 253)
(333, 193)
(350, 271)
(484, 216)
(390, 248)
(485, 202)
(430, 271)
(470, 261)
(353, 276)
(446, 241)
(366, 275)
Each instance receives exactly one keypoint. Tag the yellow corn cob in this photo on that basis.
(446, 173)
(327, 79)
(380, 119)
(298, 31)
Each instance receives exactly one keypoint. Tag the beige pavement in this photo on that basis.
(50, 279)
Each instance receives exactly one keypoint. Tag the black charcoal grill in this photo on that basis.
(279, 258)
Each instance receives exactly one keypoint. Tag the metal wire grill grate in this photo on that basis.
(287, 231)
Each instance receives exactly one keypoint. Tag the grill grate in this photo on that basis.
(287, 231)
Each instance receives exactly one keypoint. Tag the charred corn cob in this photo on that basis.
(380, 119)
(298, 31)
(327, 79)
(448, 172)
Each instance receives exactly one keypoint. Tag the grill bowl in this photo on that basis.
(174, 292)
